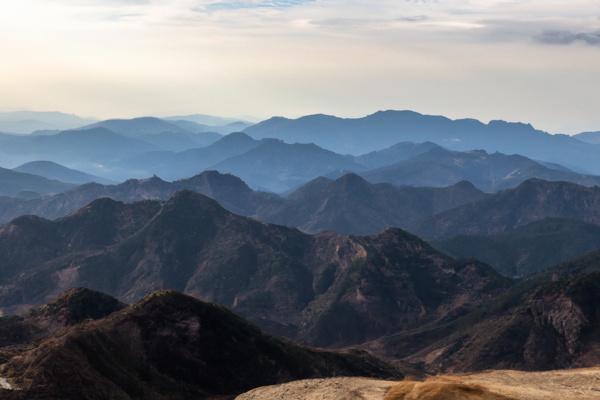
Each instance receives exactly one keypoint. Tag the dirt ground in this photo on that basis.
(573, 384)
(322, 389)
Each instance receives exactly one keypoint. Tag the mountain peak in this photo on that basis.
(189, 196)
(351, 179)
(79, 304)
(187, 207)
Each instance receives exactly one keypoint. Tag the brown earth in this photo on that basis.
(323, 389)
(572, 384)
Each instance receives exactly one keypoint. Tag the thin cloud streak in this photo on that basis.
(566, 37)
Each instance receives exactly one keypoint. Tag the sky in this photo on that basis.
(533, 61)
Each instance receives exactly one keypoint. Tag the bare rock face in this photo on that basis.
(541, 324)
(556, 315)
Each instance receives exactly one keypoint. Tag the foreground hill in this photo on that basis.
(325, 290)
(166, 346)
(528, 248)
(531, 201)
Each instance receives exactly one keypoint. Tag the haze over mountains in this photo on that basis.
(386, 128)
(25, 122)
(385, 150)
(389, 293)
(313, 229)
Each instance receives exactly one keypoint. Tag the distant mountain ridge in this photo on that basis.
(119, 149)
(439, 167)
(347, 205)
(268, 164)
(386, 128)
(25, 122)
(532, 200)
(589, 137)
(278, 167)
(13, 183)
(351, 205)
(51, 170)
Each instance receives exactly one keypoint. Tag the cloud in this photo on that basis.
(249, 4)
(566, 37)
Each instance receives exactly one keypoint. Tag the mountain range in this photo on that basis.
(54, 171)
(223, 232)
(440, 167)
(26, 185)
(230, 191)
(391, 293)
(533, 200)
(385, 128)
(351, 205)
(348, 204)
(589, 137)
(324, 290)
(119, 149)
(25, 122)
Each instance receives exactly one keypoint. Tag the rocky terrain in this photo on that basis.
(548, 321)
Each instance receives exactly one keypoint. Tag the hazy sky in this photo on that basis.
(533, 61)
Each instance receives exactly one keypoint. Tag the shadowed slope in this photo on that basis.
(170, 346)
